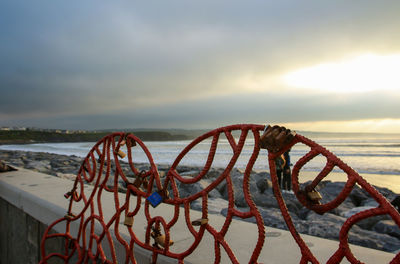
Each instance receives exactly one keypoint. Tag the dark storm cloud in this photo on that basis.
(118, 64)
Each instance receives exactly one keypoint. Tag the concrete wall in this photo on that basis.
(30, 202)
(20, 236)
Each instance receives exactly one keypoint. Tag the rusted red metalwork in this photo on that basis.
(96, 169)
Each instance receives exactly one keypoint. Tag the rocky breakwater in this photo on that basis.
(379, 232)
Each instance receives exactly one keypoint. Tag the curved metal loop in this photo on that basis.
(102, 168)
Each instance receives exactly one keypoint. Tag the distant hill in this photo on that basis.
(145, 134)
(29, 136)
(189, 133)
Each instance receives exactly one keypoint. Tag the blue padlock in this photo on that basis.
(155, 199)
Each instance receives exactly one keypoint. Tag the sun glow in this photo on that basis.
(366, 126)
(359, 74)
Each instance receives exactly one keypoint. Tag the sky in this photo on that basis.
(308, 65)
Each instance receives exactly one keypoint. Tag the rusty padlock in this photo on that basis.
(121, 154)
(138, 182)
(128, 220)
(69, 216)
(145, 183)
(164, 193)
(130, 141)
(199, 222)
(314, 196)
(160, 239)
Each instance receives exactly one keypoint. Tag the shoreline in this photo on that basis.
(10, 137)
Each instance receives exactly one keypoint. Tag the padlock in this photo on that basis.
(155, 199)
(138, 182)
(130, 142)
(314, 196)
(69, 216)
(67, 195)
(128, 220)
(164, 193)
(121, 154)
(199, 222)
(160, 239)
(145, 183)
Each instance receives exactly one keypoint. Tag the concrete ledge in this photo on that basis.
(41, 197)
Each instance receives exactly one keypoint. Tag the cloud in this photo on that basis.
(93, 64)
(218, 111)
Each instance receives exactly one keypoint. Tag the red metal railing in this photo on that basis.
(147, 188)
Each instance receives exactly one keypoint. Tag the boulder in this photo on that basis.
(374, 240)
(369, 202)
(319, 228)
(358, 195)
(262, 181)
(190, 173)
(42, 166)
(183, 169)
(303, 213)
(265, 200)
(388, 227)
(367, 223)
(273, 217)
(224, 212)
(386, 192)
(186, 190)
(331, 190)
(213, 173)
(327, 217)
(237, 181)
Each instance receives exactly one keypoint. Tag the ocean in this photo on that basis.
(366, 153)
